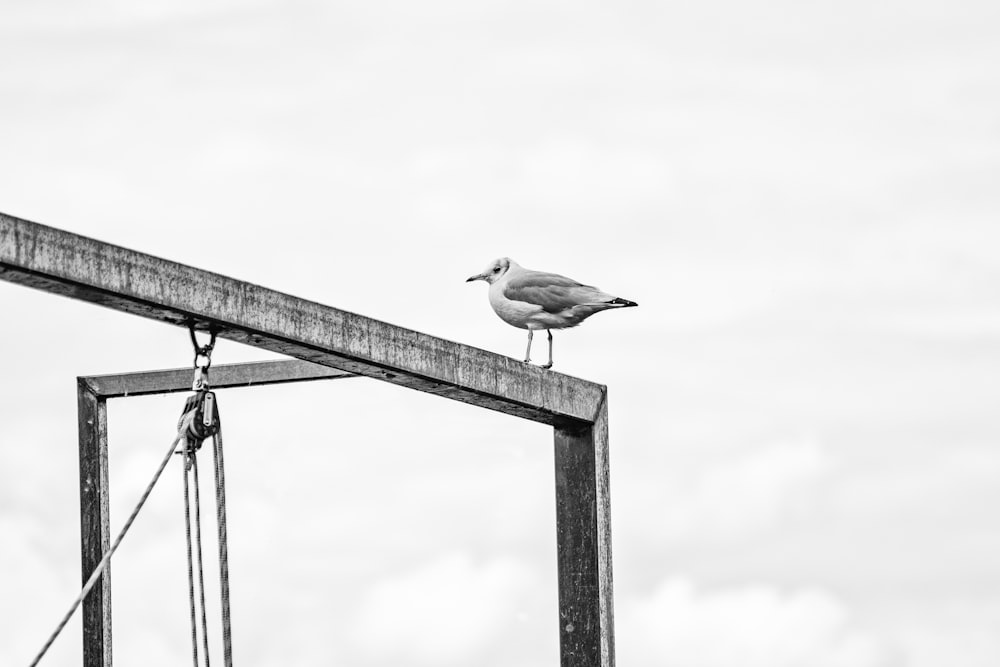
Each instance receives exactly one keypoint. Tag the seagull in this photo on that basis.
(536, 300)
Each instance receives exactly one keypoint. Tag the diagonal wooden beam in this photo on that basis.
(57, 261)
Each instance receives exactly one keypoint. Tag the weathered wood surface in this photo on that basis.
(251, 374)
(95, 525)
(82, 268)
(62, 263)
(583, 527)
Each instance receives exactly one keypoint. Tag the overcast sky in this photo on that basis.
(802, 197)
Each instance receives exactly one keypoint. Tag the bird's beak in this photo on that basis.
(478, 276)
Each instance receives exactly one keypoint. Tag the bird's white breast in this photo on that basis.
(516, 313)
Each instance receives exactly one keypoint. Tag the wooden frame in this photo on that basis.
(59, 262)
(93, 393)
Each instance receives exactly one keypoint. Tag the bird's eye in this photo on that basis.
(495, 269)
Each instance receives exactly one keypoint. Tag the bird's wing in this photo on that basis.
(554, 293)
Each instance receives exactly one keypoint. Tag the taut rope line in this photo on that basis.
(206, 424)
(191, 465)
(198, 422)
(220, 508)
(99, 570)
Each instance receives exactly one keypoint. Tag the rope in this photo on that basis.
(99, 570)
(220, 505)
(198, 420)
(191, 465)
(190, 558)
(201, 560)
(205, 423)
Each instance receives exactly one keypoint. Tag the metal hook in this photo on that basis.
(202, 350)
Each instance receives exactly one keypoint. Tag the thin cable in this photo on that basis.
(107, 557)
(220, 505)
(190, 557)
(201, 560)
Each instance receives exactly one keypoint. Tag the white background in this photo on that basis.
(802, 197)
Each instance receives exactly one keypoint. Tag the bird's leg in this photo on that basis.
(527, 355)
(549, 365)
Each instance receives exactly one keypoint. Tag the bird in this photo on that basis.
(538, 300)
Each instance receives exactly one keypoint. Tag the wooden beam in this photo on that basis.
(251, 374)
(95, 525)
(95, 522)
(583, 539)
(63, 263)
(56, 261)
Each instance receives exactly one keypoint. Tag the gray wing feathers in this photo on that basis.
(554, 293)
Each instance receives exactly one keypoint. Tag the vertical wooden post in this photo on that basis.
(62, 263)
(95, 524)
(583, 533)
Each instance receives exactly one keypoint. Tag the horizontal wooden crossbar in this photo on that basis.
(57, 261)
(583, 531)
(250, 374)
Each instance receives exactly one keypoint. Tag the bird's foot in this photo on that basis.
(527, 361)
(546, 366)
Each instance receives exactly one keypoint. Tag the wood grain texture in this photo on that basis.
(78, 267)
(253, 374)
(583, 527)
(95, 525)
(82, 268)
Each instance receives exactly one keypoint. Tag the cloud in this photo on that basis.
(37, 589)
(746, 493)
(567, 169)
(750, 626)
(952, 630)
(444, 612)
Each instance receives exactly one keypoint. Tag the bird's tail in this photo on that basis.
(622, 303)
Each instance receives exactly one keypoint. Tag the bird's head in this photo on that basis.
(493, 272)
